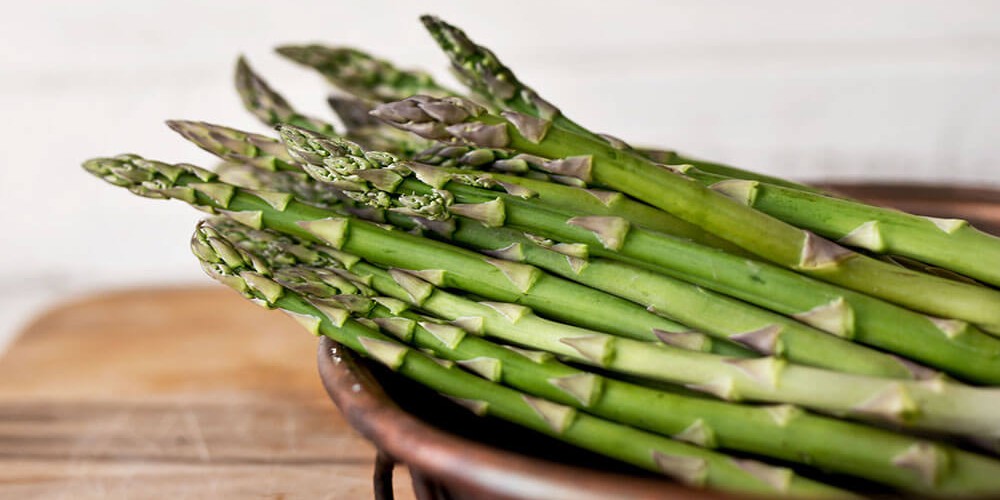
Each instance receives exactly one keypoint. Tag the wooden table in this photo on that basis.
(173, 393)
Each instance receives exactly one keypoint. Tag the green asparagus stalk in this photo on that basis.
(933, 405)
(363, 75)
(579, 200)
(269, 106)
(525, 170)
(236, 146)
(875, 229)
(304, 188)
(776, 241)
(949, 243)
(685, 462)
(309, 191)
(481, 71)
(487, 277)
(781, 432)
(943, 344)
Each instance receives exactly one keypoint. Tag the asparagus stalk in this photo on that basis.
(949, 243)
(944, 344)
(268, 105)
(524, 170)
(781, 432)
(236, 146)
(875, 229)
(487, 277)
(487, 76)
(363, 75)
(783, 244)
(581, 201)
(933, 405)
(684, 462)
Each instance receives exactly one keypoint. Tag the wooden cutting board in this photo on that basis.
(179, 393)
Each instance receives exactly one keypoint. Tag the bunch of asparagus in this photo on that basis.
(658, 309)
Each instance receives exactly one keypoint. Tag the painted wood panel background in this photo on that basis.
(846, 90)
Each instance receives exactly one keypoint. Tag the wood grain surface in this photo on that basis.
(180, 393)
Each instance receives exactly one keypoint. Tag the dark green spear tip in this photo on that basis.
(297, 53)
(327, 159)
(476, 65)
(310, 147)
(336, 63)
(234, 145)
(480, 69)
(258, 97)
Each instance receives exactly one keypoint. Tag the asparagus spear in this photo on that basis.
(363, 75)
(269, 106)
(944, 344)
(309, 191)
(949, 243)
(781, 432)
(524, 170)
(578, 200)
(236, 146)
(684, 462)
(493, 278)
(925, 239)
(457, 119)
(932, 405)
(486, 75)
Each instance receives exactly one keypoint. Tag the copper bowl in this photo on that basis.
(452, 454)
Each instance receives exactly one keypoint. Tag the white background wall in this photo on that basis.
(848, 89)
